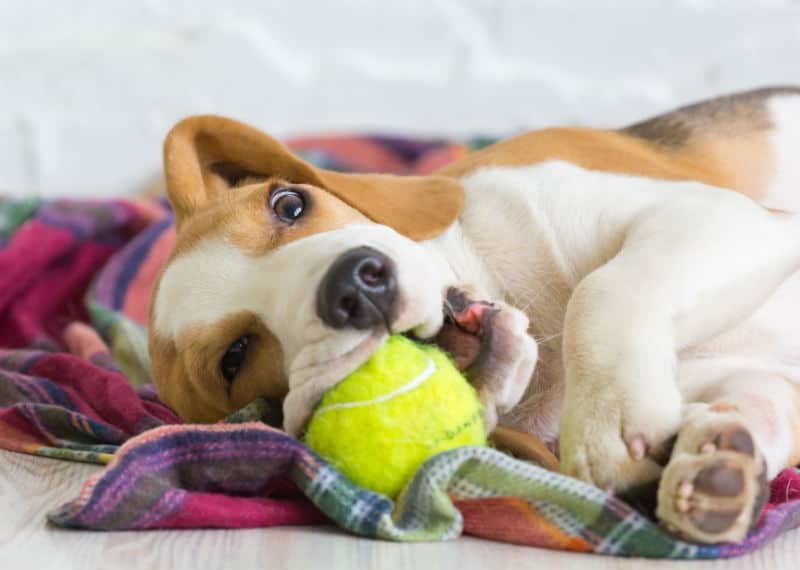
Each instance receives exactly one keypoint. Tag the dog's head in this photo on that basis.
(284, 275)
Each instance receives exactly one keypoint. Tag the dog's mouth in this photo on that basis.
(462, 331)
(463, 334)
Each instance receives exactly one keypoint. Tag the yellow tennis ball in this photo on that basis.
(407, 403)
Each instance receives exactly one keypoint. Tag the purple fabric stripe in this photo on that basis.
(78, 223)
(42, 390)
(106, 499)
(134, 256)
(31, 390)
(408, 148)
(166, 505)
(112, 284)
(780, 517)
(103, 505)
(30, 412)
(102, 291)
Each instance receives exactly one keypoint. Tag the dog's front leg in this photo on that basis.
(688, 270)
(621, 400)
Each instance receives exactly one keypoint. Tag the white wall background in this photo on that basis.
(89, 88)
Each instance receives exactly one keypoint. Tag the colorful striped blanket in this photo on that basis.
(75, 278)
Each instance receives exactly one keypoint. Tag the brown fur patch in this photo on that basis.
(243, 216)
(729, 116)
(607, 151)
(727, 134)
(722, 142)
(745, 162)
(187, 373)
(206, 156)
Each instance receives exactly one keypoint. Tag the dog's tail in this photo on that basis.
(749, 142)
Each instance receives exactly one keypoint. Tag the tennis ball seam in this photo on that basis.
(416, 382)
(383, 421)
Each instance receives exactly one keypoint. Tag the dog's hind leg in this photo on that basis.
(727, 450)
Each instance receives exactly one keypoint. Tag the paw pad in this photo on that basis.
(713, 492)
(720, 479)
(735, 438)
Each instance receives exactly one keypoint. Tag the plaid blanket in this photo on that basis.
(75, 278)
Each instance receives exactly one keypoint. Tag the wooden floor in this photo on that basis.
(29, 486)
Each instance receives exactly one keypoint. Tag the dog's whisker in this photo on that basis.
(544, 339)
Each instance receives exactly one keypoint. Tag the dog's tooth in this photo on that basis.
(685, 490)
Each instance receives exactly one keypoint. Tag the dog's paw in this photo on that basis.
(714, 487)
(614, 440)
(505, 363)
(490, 341)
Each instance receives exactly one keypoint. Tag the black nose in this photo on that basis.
(358, 290)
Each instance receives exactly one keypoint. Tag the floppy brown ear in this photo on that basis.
(419, 207)
(206, 155)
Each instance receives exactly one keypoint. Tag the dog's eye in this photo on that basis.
(233, 359)
(288, 204)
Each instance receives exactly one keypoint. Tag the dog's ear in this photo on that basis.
(206, 155)
(419, 207)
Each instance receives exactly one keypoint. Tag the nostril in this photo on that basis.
(372, 272)
(347, 306)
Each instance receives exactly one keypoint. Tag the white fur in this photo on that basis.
(632, 271)
(784, 113)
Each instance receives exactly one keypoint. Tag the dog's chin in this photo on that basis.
(331, 359)
(319, 367)
(340, 352)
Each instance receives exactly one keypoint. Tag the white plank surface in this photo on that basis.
(29, 486)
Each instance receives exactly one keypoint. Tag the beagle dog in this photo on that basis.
(630, 296)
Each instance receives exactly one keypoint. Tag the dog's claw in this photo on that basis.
(685, 490)
(637, 447)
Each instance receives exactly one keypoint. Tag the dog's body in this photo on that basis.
(662, 304)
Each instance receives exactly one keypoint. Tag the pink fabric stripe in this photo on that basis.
(203, 510)
(137, 298)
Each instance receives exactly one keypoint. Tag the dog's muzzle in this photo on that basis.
(358, 291)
